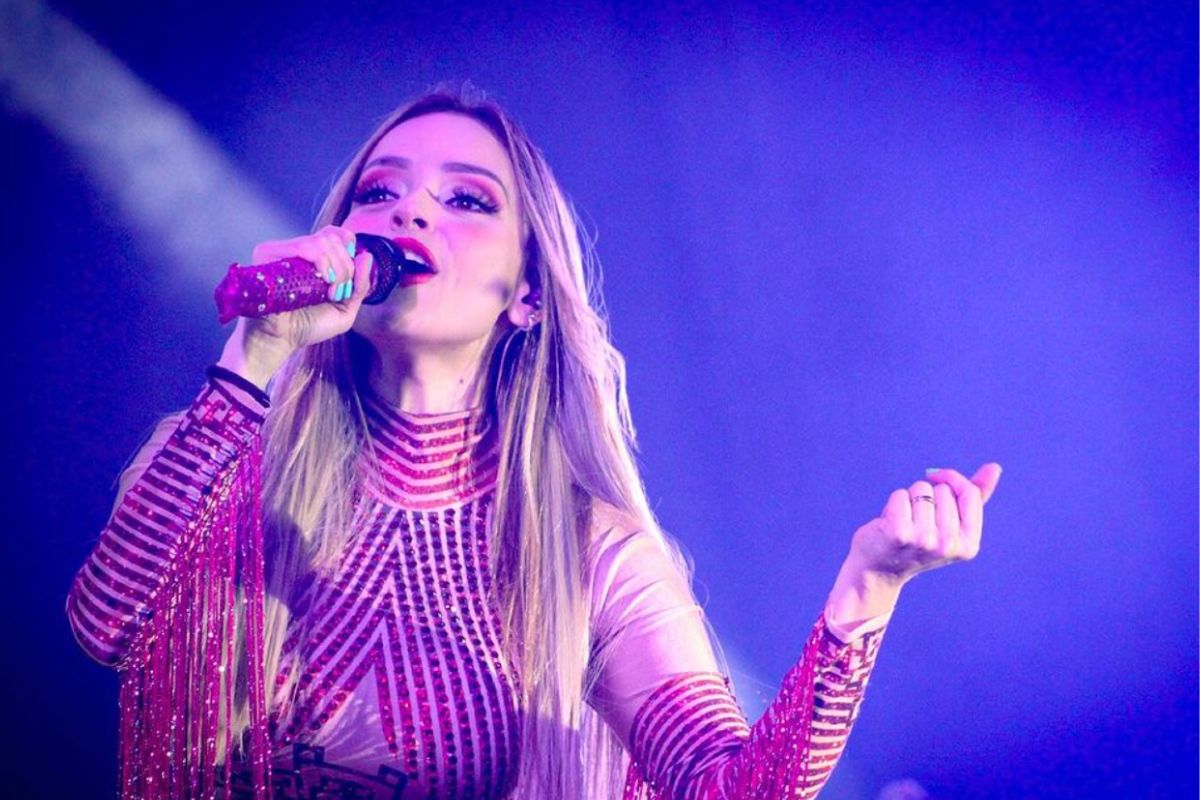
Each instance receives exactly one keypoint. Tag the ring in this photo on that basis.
(926, 497)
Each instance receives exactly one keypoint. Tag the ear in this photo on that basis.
(526, 304)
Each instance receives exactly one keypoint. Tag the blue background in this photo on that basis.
(841, 244)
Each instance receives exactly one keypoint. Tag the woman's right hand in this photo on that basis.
(258, 347)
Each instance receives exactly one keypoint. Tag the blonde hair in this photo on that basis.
(558, 398)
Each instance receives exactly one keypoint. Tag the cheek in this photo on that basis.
(494, 257)
(365, 217)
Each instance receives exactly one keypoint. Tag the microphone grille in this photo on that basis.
(387, 265)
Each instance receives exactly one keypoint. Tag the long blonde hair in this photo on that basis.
(557, 396)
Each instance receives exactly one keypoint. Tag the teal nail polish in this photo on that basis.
(349, 288)
(343, 292)
(350, 248)
(930, 470)
(332, 275)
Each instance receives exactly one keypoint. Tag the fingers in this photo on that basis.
(948, 524)
(986, 478)
(970, 496)
(361, 283)
(898, 509)
(932, 523)
(330, 250)
(335, 246)
(922, 503)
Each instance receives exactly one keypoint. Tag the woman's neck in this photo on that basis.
(429, 382)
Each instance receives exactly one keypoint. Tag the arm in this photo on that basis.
(160, 494)
(688, 738)
(659, 688)
(174, 593)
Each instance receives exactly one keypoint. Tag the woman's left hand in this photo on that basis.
(932, 523)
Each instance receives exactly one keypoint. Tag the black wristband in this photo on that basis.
(215, 372)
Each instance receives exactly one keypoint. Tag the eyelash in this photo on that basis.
(479, 201)
(372, 193)
(377, 192)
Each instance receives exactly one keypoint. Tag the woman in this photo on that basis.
(456, 587)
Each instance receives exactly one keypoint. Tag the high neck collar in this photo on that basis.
(425, 461)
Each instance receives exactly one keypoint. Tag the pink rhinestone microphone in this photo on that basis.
(256, 290)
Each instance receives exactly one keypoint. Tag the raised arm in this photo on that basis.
(175, 476)
(658, 685)
(660, 690)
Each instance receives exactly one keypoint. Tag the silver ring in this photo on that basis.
(926, 497)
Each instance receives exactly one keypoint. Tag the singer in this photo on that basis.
(403, 550)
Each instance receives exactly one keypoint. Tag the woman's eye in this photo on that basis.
(373, 193)
(469, 201)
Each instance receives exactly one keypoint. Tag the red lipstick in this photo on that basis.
(417, 257)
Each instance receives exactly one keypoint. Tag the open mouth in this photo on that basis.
(415, 257)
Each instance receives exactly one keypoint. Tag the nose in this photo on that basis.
(402, 220)
(409, 211)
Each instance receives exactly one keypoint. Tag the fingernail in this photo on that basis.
(344, 292)
(331, 275)
(929, 471)
(350, 248)
(349, 288)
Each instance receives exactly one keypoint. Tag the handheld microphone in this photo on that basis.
(256, 290)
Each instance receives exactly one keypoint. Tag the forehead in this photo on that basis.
(444, 137)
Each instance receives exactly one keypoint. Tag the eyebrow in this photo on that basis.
(450, 166)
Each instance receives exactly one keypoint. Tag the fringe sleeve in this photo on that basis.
(179, 564)
(690, 738)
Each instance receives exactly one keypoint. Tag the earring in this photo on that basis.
(534, 298)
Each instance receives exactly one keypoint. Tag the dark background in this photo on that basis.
(841, 244)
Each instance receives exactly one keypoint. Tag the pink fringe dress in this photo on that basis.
(403, 691)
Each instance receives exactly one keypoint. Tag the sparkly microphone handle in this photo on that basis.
(256, 290)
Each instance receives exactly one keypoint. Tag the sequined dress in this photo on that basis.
(403, 689)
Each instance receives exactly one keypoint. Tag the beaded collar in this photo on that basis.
(427, 461)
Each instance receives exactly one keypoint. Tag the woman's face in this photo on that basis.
(441, 186)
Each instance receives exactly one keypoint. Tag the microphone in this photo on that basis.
(256, 290)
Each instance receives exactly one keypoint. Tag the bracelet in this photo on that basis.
(215, 372)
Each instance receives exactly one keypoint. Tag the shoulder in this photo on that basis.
(606, 522)
(627, 552)
(639, 584)
(611, 531)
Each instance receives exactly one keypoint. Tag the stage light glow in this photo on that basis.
(171, 183)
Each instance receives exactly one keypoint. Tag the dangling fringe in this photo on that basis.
(784, 759)
(636, 787)
(177, 695)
